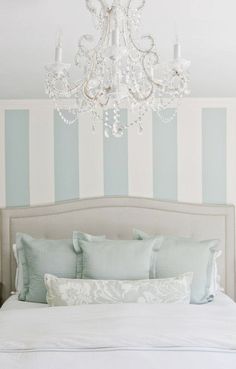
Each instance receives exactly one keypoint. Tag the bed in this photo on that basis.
(129, 335)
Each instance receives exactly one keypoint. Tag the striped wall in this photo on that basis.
(191, 159)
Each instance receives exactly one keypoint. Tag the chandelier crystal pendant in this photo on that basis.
(120, 71)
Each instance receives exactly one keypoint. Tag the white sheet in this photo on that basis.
(120, 336)
(12, 303)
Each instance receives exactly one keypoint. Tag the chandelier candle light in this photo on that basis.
(120, 71)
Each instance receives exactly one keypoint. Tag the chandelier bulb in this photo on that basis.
(58, 49)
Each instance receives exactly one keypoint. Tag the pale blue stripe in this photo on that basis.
(17, 157)
(116, 163)
(165, 158)
(214, 155)
(66, 159)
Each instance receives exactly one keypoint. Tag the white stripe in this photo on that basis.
(41, 154)
(90, 157)
(2, 159)
(231, 153)
(140, 158)
(189, 135)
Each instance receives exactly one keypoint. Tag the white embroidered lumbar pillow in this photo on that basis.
(67, 292)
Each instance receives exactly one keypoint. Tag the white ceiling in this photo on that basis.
(207, 30)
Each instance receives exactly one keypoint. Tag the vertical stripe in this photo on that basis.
(231, 154)
(116, 162)
(2, 160)
(66, 160)
(17, 157)
(165, 158)
(41, 154)
(90, 158)
(189, 151)
(140, 158)
(214, 155)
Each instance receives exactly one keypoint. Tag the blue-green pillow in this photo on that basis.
(116, 259)
(40, 256)
(80, 236)
(178, 255)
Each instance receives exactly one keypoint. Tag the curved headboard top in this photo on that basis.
(116, 217)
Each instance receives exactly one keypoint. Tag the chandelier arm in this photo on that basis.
(101, 41)
(132, 42)
(83, 50)
(74, 89)
(129, 29)
(86, 94)
(67, 90)
(150, 79)
(126, 41)
(92, 60)
(141, 99)
(85, 85)
(104, 33)
(94, 98)
(149, 37)
(60, 92)
(80, 85)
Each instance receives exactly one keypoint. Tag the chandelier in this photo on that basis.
(120, 71)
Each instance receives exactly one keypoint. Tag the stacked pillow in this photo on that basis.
(36, 257)
(92, 269)
(180, 255)
(115, 259)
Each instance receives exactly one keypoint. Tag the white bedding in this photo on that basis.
(139, 336)
(12, 303)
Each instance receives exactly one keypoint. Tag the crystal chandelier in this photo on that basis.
(120, 71)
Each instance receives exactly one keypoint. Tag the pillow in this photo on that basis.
(116, 259)
(68, 292)
(40, 256)
(215, 286)
(110, 247)
(179, 255)
(19, 284)
(80, 236)
(19, 273)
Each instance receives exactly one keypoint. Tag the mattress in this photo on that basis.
(140, 336)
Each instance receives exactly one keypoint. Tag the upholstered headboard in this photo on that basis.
(115, 217)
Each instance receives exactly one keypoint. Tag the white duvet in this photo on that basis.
(111, 336)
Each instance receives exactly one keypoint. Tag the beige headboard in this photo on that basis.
(115, 217)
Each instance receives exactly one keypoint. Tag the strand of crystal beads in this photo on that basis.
(138, 121)
(116, 114)
(141, 115)
(106, 124)
(93, 121)
(65, 120)
(106, 119)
